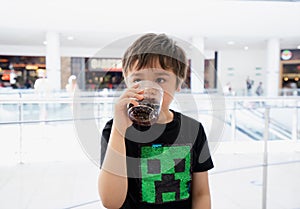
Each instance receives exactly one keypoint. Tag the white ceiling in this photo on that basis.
(95, 23)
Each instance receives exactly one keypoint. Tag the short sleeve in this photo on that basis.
(202, 160)
(104, 140)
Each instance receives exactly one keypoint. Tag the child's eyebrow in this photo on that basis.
(137, 74)
(162, 74)
(155, 73)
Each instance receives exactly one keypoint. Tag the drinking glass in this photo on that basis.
(147, 111)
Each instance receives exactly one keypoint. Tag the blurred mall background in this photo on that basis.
(243, 82)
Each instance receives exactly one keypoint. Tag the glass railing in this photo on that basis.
(244, 116)
(245, 113)
(37, 129)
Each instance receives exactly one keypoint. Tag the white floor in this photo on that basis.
(57, 174)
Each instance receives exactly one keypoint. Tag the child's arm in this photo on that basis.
(200, 191)
(112, 182)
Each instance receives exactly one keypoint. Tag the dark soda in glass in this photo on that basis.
(145, 114)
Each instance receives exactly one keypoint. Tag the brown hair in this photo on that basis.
(150, 48)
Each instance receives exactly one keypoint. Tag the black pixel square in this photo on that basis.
(179, 165)
(153, 166)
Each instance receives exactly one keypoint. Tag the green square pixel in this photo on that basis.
(169, 196)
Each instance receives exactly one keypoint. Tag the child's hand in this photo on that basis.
(129, 97)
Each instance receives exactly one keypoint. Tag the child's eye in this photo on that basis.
(160, 80)
(136, 80)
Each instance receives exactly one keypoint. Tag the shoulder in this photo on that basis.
(186, 119)
(108, 125)
(188, 124)
(106, 130)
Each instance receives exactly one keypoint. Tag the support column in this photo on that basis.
(77, 68)
(53, 65)
(197, 65)
(273, 65)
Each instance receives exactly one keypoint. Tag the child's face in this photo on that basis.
(165, 78)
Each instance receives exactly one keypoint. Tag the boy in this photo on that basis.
(164, 165)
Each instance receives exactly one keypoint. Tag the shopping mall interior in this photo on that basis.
(61, 75)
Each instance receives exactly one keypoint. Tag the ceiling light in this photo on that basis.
(230, 42)
(298, 47)
(70, 38)
(246, 48)
(45, 42)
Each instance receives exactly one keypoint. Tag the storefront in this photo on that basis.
(103, 73)
(290, 69)
(21, 71)
(106, 73)
(93, 73)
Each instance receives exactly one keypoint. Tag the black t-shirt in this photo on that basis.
(160, 162)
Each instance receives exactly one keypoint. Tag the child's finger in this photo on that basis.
(136, 95)
(132, 103)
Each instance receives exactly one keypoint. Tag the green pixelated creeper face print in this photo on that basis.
(165, 173)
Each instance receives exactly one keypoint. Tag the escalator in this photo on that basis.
(251, 122)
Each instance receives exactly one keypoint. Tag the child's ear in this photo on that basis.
(179, 86)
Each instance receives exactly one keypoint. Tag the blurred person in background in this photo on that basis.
(249, 84)
(227, 90)
(13, 79)
(42, 86)
(72, 84)
(43, 89)
(28, 84)
(259, 92)
(259, 89)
